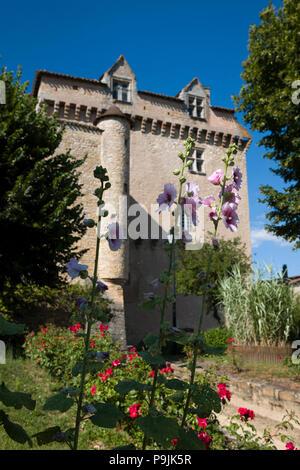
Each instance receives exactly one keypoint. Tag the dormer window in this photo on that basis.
(121, 90)
(196, 106)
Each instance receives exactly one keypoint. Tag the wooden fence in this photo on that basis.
(263, 353)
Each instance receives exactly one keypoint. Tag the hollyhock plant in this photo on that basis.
(223, 392)
(74, 268)
(167, 198)
(230, 194)
(113, 236)
(208, 201)
(230, 217)
(216, 177)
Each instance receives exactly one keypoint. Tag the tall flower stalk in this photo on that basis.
(166, 199)
(92, 315)
(226, 211)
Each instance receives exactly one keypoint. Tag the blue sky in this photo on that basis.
(167, 44)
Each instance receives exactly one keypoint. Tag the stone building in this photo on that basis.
(137, 135)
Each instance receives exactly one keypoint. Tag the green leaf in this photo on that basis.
(13, 430)
(106, 416)
(7, 328)
(176, 384)
(206, 400)
(59, 402)
(177, 397)
(45, 437)
(150, 339)
(163, 429)
(125, 386)
(16, 399)
(152, 360)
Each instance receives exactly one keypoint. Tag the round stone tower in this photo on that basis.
(114, 156)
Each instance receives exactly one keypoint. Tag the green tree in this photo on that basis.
(191, 269)
(271, 72)
(40, 221)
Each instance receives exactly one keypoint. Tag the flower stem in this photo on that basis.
(196, 345)
(87, 336)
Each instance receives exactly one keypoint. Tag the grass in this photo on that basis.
(21, 375)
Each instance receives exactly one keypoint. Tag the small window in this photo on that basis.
(198, 162)
(121, 91)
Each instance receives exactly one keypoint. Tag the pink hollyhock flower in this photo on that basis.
(93, 389)
(192, 189)
(134, 410)
(167, 198)
(174, 442)
(216, 177)
(113, 236)
(230, 217)
(237, 177)
(152, 373)
(208, 200)
(104, 377)
(205, 439)
(132, 349)
(246, 414)
(231, 194)
(74, 268)
(213, 215)
(202, 422)
(109, 372)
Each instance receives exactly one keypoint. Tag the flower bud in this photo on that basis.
(180, 155)
(182, 179)
(107, 186)
(89, 223)
(176, 172)
(105, 213)
(189, 163)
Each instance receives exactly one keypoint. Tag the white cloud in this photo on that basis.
(258, 236)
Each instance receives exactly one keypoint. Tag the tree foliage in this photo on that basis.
(191, 268)
(270, 102)
(40, 221)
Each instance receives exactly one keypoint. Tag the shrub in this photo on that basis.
(218, 336)
(58, 349)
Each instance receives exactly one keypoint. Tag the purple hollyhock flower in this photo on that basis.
(167, 198)
(216, 177)
(100, 286)
(74, 268)
(230, 217)
(230, 194)
(237, 177)
(192, 189)
(190, 201)
(215, 242)
(213, 215)
(80, 301)
(113, 236)
(208, 200)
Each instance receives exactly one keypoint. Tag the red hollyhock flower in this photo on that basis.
(115, 363)
(93, 389)
(174, 442)
(109, 372)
